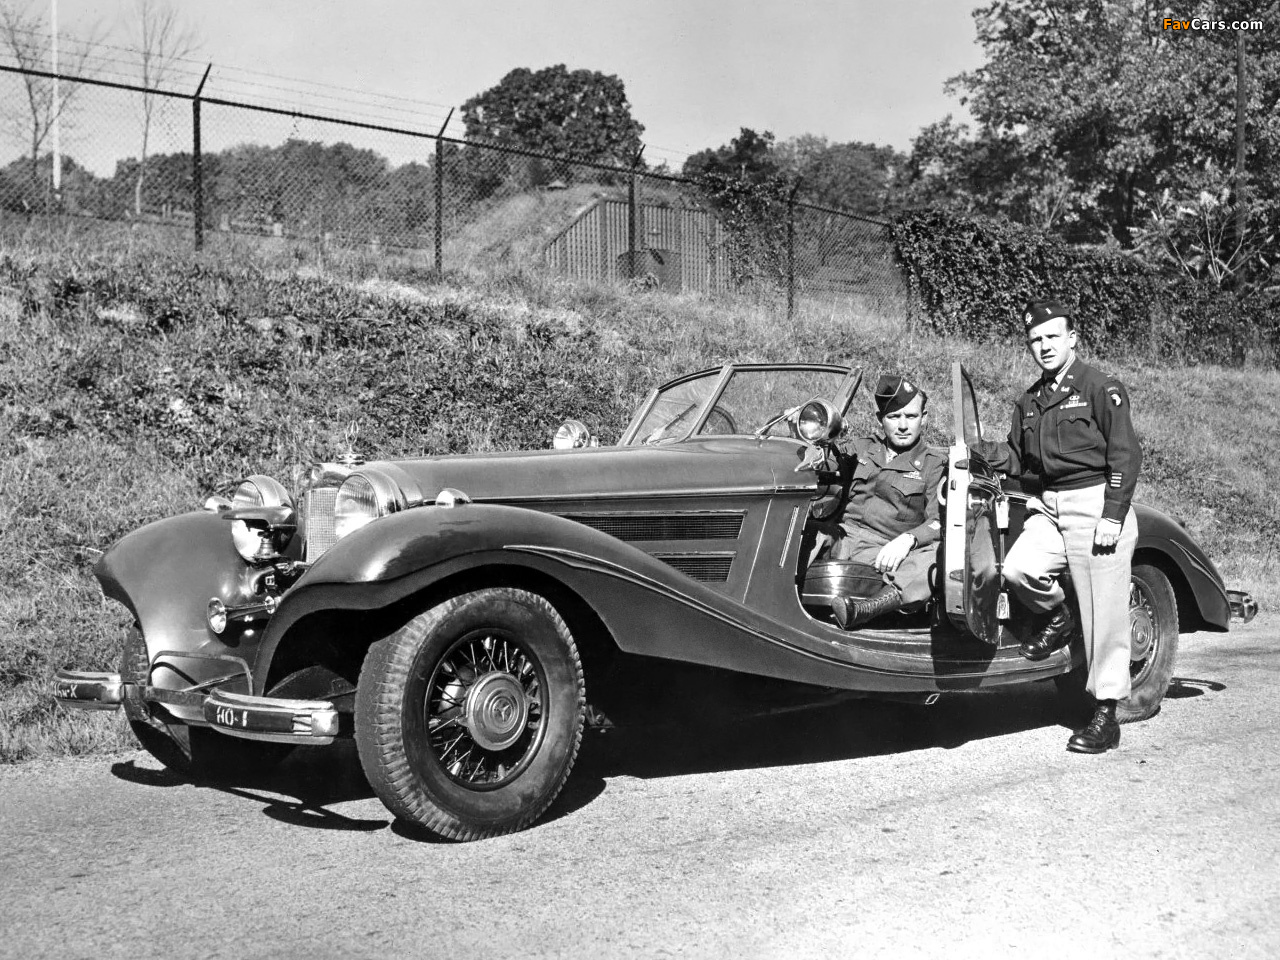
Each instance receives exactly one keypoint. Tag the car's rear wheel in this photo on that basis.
(196, 752)
(469, 717)
(1153, 649)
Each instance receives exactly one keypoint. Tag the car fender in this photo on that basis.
(648, 606)
(165, 574)
(1160, 533)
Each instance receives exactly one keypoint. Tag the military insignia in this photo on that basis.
(1115, 396)
(1027, 319)
(912, 475)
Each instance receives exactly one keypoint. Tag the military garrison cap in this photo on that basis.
(894, 393)
(1042, 311)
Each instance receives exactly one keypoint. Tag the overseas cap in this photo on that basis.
(894, 393)
(1042, 311)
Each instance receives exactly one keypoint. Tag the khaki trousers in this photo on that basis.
(1057, 536)
(912, 575)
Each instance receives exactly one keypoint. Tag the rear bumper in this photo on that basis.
(302, 722)
(1243, 607)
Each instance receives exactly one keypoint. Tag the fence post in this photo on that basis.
(633, 218)
(197, 164)
(791, 255)
(440, 193)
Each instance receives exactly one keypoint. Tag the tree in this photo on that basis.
(854, 176)
(1086, 110)
(162, 41)
(582, 114)
(24, 36)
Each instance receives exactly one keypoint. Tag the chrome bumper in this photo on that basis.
(311, 722)
(1243, 607)
(271, 718)
(88, 690)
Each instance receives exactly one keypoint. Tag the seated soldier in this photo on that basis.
(890, 518)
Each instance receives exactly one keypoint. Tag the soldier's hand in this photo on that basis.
(894, 552)
(1107, 534)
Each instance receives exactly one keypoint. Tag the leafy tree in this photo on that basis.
(1088, 110)
(577, 113)
(859, 177)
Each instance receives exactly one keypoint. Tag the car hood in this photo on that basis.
(710, 466)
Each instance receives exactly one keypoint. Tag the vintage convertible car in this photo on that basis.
(463, 616)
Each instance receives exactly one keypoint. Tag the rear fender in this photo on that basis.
(1161, 538)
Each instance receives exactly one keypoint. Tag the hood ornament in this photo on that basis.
(349, 457)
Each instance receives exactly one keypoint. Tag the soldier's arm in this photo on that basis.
(1005, 456)
(1124, 455)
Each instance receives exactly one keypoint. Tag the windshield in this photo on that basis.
(750, 398)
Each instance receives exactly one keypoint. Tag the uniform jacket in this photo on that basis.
(894, 497)
(1074, 436)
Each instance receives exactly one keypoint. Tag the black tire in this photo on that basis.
(195, 752)
(1153, 629)
(470, 716)
(1153, 639)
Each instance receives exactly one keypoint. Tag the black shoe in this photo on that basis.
(1100, 734)
(851, 614)
(1052, 636)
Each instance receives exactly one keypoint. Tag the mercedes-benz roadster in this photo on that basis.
(458, 615)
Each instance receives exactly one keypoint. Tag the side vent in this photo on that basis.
(691, 525)
(707, 567)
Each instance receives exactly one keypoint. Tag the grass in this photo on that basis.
(135, 381)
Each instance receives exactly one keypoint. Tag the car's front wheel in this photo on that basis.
(469, 717)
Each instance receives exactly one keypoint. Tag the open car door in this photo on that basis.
(973, 548)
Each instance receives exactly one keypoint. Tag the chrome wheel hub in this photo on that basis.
(496, 711)
(1142, 628)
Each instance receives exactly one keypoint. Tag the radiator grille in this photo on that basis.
(721, 525)
(709, 568)
(317, 507)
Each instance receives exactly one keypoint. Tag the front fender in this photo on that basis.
(165, 573)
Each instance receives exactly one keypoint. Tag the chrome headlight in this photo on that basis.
(571, 435)
(260, 491)
(361, 498)
(818, 420)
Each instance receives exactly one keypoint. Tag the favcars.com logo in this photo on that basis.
(1201, 23)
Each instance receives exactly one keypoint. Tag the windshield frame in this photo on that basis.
(723, 374)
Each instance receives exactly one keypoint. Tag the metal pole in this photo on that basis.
(1242, 100)
(440, 194)
(633, 219)
(791, 252)
(57, 134)
(197, 164)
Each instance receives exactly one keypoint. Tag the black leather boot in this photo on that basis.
(851, 614)
(1100, 734)
(1054, 634)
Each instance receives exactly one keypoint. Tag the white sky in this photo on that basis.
(695, 70)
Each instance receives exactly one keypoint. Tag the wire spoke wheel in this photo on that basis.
(484, 710)
(1153, 642)
(469, 717)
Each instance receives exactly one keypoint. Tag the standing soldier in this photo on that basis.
(1072, 428)
(890, 517)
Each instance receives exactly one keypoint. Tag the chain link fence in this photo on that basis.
(216, 173)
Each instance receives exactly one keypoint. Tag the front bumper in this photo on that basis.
(1243, 607)
(301, 722)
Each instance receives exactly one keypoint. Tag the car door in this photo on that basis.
(973, 550)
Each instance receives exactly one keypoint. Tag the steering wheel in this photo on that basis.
(719, 422)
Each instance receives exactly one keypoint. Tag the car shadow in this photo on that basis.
(695, 736)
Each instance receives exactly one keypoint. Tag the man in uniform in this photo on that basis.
(1072, 428)
(890, 518)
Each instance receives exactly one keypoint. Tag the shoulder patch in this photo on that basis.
(1115, 395)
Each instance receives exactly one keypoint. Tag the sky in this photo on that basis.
(695, 71)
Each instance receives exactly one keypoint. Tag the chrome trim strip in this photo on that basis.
(675, 492)
(786, 544)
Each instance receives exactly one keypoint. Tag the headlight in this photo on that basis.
(571, 435)
(260, 491)
(818, 420)
(361, 498)
(256, 542)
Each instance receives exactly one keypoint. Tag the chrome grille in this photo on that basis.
(317, 508)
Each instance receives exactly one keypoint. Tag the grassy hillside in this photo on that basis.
(131, 387)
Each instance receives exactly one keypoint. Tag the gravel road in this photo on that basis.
(959, 830)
